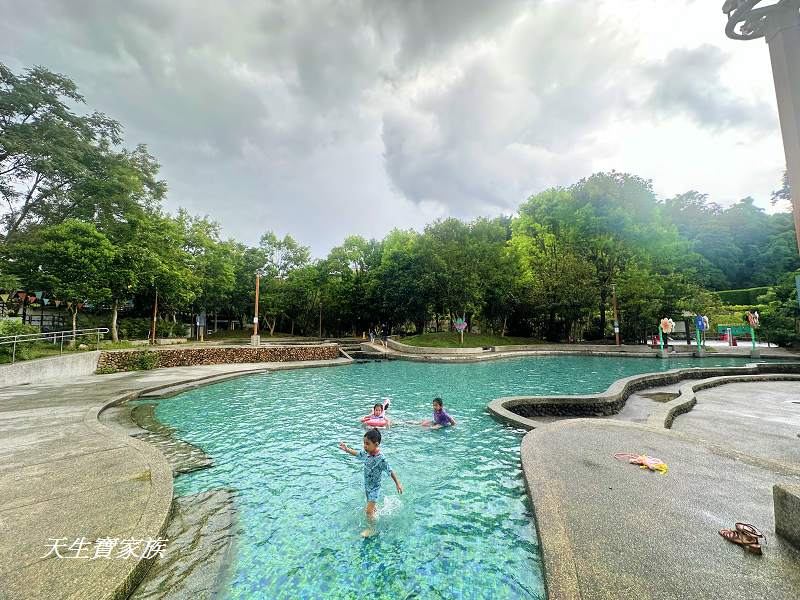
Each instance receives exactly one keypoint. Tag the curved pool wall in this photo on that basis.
(521, 411)
(463, 528)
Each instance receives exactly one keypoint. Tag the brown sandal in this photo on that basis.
(750, 530)
(742, 538)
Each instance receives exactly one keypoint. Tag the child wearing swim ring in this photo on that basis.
(375, 466)
(440, 417)
(378, 417)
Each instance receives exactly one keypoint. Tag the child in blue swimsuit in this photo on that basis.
(375, 466)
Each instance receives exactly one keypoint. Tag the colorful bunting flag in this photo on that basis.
(22, 295)
(46, 301)
(58, 303)
(69, 304)
(38, 295)
(4, 297)
(31, 299)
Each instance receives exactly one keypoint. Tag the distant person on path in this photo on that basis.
(440, 417)
(375, 466)
(384, 335)
(371, 334)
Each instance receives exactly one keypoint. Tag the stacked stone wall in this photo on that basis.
(130, 360)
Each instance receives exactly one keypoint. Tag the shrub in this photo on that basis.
(142, 361)
(743, 296)
(14, 327)
(107, 370)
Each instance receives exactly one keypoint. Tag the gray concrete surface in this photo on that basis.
(54, 368)
(610, 530)
(786, 501)
(760, 418)
(64, 474)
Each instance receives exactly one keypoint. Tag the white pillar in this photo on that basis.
(783, 38)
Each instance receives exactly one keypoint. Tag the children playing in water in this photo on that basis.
(375, 465)
(378, 417)
(440, 417)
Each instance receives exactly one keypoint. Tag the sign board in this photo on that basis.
(735, 329)
(797, 283)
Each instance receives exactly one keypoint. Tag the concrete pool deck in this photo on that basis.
(65, 475)
(610, 530)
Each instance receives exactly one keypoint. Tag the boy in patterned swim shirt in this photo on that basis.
(375, 466)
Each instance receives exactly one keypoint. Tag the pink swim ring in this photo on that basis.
(373, 421)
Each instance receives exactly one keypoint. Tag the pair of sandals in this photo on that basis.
(744, 535)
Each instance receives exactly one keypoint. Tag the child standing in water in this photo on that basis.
(375, 466)
(440, 417)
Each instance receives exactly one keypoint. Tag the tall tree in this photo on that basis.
(46, 150)
(73, 261)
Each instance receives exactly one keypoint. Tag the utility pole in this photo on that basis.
(255, 339)
(155, 312)
(616, 312)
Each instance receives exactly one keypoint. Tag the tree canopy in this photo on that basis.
(83, 222)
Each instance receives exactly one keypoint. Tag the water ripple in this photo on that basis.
(463, 529)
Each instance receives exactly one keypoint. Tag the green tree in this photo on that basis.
(73, 260)
(46, 150)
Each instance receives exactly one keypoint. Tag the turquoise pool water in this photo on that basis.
(462, 529)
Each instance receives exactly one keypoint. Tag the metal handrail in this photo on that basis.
(51, 336)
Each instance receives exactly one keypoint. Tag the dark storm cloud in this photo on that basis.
(688, 82)
(324, 118)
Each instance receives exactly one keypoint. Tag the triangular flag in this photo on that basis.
(80, 305)
(31, 299)
(58, 303)
(21, 295)
(69, 304)
(46, 301)
(38, 295)
(4, 297)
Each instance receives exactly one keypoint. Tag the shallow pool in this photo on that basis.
(463, 528)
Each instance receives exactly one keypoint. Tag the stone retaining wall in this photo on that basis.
(129, 360)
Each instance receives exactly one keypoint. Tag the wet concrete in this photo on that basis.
(197, 563)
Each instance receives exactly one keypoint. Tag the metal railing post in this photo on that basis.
(14, 351)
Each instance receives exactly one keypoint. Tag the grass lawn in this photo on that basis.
(471, 340)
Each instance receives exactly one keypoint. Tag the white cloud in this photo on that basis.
(325, 118)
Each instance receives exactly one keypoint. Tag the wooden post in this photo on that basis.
(155, 312)
(255, 318)
(616, 313)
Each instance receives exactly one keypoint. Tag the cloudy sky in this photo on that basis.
(324, 118)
